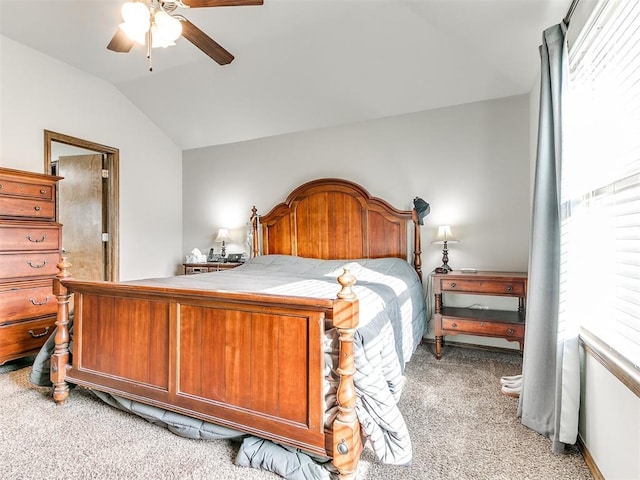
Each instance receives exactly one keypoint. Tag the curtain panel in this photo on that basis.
(549, 397)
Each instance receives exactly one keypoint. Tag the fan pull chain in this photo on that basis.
(149, 49)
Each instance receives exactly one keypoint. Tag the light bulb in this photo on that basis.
(168, 28)
(133, 33)
(157, 40)
(136, 13)
(137, 20)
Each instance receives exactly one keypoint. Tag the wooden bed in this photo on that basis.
(264, 369)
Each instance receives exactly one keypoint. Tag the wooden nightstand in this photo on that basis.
(192, 268)
(472, 321)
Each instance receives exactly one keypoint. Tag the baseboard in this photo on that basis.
(475, 346)
(588, 459)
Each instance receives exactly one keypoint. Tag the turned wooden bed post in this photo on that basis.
(417, 244)
(347, 440)
(60, 357)
(255, 239)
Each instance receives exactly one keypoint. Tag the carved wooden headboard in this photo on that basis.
(331, 218)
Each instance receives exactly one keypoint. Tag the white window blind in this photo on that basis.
(600, 188)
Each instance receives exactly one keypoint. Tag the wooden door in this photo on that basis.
(80, 210)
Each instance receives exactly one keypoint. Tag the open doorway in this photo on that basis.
(87, 203)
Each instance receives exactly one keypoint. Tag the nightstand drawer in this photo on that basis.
(473, 327)
(483, 286)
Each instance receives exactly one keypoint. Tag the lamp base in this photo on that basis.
(442, 270)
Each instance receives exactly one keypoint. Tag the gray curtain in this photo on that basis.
(549, 397)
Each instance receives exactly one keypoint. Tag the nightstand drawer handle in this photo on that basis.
(454, 325)
(37, 304)
(43, 191)
(453, 285)
(511, 331)
(32, 265)
(509, 288)
(38, 335)
(37, 208)
(35, 240)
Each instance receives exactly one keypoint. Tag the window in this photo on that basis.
(600, 230)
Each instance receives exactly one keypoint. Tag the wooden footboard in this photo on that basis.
(249, 362)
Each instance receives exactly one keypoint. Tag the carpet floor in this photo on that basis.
(461, 426)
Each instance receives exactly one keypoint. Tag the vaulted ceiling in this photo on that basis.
(300, 64)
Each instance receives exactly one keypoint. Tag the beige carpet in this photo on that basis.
(462, 427)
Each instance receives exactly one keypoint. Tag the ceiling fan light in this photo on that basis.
(136, 13)
(157, 41)
(168, 28)
(133, 33)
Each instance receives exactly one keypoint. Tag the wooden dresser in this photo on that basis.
(505, 324)
(30, 242)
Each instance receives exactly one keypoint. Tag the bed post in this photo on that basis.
(255, 239)
(347, 440)
(417, 244)
(60, 357)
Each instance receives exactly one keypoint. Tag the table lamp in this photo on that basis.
(443, 238)
(223, 236)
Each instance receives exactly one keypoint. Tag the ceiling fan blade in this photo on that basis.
(205, 43)
(220, 3)
(120, 42)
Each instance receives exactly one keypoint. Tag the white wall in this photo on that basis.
(38, 93)
(609, 422)
(470, 162)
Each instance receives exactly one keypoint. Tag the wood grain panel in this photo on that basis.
(237, 358)
(336, 219)
(127, 338)
(293, 381)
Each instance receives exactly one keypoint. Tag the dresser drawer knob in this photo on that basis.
(37, 208)
(43, 191)
(454, 325)
(453, 284)
(511, 331)
(509, 288)
(35, 240)
(34, 302)
(32, 265)
(38, 335)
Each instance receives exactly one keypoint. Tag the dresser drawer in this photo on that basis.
(19, 301)
(504, 330)
(27, 189)
(32, 236)
(482, 286)
(33, 264)
(24, 338)
(27, 207)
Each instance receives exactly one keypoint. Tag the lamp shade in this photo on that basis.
(445, 235)
(223, 235)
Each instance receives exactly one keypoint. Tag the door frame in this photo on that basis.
(111, 202)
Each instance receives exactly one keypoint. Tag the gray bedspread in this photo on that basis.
(392, 322)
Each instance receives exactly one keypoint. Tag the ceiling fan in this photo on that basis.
(156, 24)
